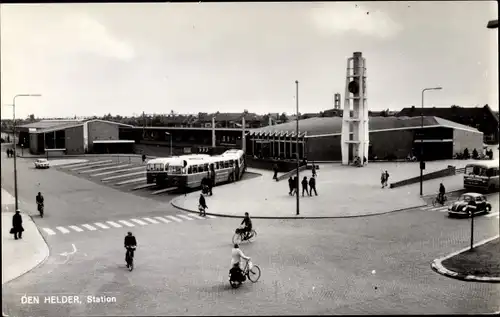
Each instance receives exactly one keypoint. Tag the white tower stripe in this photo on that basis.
(142, 223)
(62, 229)
(76, 228)
(163, 219)
(114, 224)
(174, 219)
(89, 227)
(128, 224)
(101, 225)
(50, 232)
(185, 217)
(150, 220)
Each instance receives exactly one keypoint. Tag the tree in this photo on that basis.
(283, 117)
(265, 119)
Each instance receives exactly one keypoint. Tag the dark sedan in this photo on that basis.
(469, 203)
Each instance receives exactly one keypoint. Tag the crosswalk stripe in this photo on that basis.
(101, 225)
(76, 228)
(210, 216)
(163, 219)
(62, 229)
(150, 220)
(185, 217)
(142, 223)
(91, 228)
(426, 208)
(174, 219)
(437, 208)
(196, 216)
(492, 214)
(50, 232)
(114, 224)
(128, 224)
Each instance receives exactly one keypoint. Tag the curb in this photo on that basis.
(39, 263)
(172, 202)
(438, 267)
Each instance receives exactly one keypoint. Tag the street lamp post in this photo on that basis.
(167, 133)
(297, 143)
(14, 139)
(422, 162)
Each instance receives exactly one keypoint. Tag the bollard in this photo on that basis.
(129, 159)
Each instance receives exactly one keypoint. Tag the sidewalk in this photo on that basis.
(19, 256)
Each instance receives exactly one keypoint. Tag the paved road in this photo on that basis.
(308, 266)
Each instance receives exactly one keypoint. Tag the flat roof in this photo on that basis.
(75, 124)
(333, 125)
(190, 128)
(47, 124)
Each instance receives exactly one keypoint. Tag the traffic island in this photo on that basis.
(481, 264)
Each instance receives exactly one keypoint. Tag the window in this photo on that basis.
(216, 165)
(190, 170)
(226, 164)
(195, 169)
(174, 169)
(158, 167)
(231, 163)
(205, 167)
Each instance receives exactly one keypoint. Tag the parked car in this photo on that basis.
(467, 203)
(42, 163)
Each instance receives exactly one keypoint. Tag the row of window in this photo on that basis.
(193, 169)
(481, 171)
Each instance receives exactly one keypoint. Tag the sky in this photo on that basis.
(94, 59)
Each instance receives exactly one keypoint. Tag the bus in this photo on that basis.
(227, 167)
(157, 169)
(482, 175)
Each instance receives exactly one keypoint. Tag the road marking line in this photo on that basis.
(62, 229)
(163, 219)
(114, 224)
(143, 186)
(131, 181)
(102, 169)
(101, 225)
(210, 216)
(492, 214)
(118, 171)
(151, 220)
(174, 219)
(196, 216)
(76, 228)
(91, 228)
(142, 223)
(86, 165)
(428, 207)
(437, 208)
(165, 190)
(126, 223)
(50, 232)
(185, 217)
(122, 176)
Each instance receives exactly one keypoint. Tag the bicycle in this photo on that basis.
(129, 258)
(436, 201)
(40, 210)
(252, 274)
(240, 236)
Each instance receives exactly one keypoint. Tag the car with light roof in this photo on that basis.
(42, 163)
(468, 204)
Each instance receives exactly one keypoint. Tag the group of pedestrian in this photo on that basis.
(384, 178)
(17, 226)
(10, 153)
(307, 186)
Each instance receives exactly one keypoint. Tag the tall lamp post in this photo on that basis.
(297, 144)
(169, 134)
(422, 162)
(14, 140)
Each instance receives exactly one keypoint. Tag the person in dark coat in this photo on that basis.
(290, 185)
(314, 170)
(304, 186)
(295, 185)
(143, 158)
(17, 225)
(275, 169)
(312, 186)
(202, 206)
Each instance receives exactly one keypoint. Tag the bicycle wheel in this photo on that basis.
(252, 236)
(236, 238)
(234, 284)
(434, 202)
(254, 274)
(131, 265)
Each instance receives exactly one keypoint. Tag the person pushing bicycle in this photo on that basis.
(248, 225)
(236, 256)
(442, 192)
(130, 244)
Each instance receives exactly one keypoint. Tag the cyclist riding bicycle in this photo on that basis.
(130, 244)
(39, 200)
(236, 256)
(248, 225)
(442, 191)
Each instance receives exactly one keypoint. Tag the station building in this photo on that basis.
(390, 138)
(74, 137)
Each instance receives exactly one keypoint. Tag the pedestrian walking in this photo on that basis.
(295, 186)
(304, 186)
(314, 170)
(382, 179)
(143, 158)
(17, 225)
(8, 152)
(275, 169)
(290, 185)
(202, 205)
(386, 178)
(312, 186)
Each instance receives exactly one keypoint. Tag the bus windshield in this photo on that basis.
(155, 167)
(172, 169)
